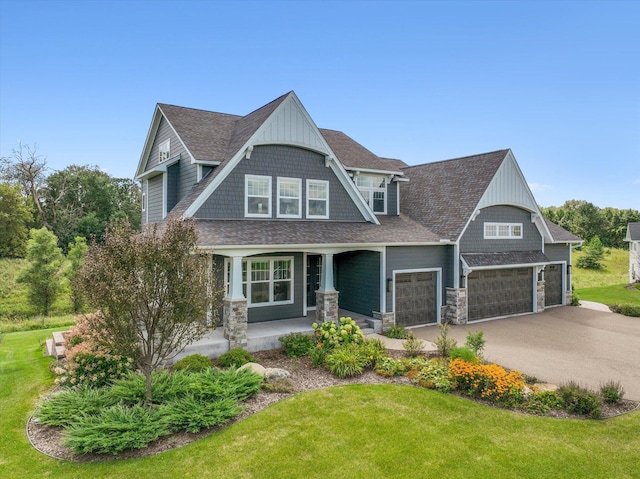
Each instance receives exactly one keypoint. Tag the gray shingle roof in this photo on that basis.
(478, 260)
(444, 194)
(561, 235)
(353, 155)
(633, 232)
(392, 230)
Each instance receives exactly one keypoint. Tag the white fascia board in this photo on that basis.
(372, 171)
(151, 134)
(334, 248)
(204, 162)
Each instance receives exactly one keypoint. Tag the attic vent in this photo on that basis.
(164, 151)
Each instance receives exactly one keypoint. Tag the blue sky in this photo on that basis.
(557, 82)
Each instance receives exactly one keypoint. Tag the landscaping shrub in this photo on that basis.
(396, 332)
(412, 345)
(330, 335)
(632, 310)
(235, 357)
(318, 355)
(475, 342)
(389, 367)
(279, 385)
(464, 353)
(487, 381)
(116, 429)
(214, 384)
(297, 344)
(191, 414)
(443, 342)
(542, 402)
(346, 361)
(433, 374)
(65, 407)
(193, 363)
(94, 370)
(612, 392)
(372, 350)
(580, 400)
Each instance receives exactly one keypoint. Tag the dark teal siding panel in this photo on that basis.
(154, 200)
(358, 281)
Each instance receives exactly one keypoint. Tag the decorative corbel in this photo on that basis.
(247, 154)
(327, 161)
(475, 214)
(534, 217)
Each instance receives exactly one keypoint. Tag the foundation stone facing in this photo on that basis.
(327, 306)
(235, 321)
(388, 320)
(540, 295)
(456, 306)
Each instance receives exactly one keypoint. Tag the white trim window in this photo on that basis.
(266, 281)
(289, 197)
(164, 150)
(317, 199)
(503, 231)
(257, 199)
(374, 190)
(145, 188)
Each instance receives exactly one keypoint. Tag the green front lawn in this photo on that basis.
(616, 294)
(353, 431)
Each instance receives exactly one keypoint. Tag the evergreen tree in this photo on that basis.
(593, 255)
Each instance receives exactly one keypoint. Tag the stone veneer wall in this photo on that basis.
(540, 295)
(235, 321)
(327, 306)
(388, 319)
(456, 305)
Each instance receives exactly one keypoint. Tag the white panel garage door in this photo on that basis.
(499, 292)
(416, 298)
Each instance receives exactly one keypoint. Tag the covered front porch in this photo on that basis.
(262, 336)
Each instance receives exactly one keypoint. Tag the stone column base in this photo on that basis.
(540, 295)
(327, 306)
(456, 306)
(235, 321)
(388, 319)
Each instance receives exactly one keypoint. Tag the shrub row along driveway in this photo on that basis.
(562, 344)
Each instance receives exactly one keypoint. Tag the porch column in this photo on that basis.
(235, 314)
(327, 297)
(456, 312)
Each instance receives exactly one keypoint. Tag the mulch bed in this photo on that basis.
(304, 377)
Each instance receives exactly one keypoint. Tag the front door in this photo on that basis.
(314, 269)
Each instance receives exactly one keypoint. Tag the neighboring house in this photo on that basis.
(633, 237)
(298, 218)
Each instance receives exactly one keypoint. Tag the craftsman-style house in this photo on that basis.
(298, 218)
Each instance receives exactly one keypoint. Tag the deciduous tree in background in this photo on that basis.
(15, 217)
(43, 272)
(75, 257)
(153, 289)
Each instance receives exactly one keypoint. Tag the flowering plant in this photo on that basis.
(487, 381)
(329, 334)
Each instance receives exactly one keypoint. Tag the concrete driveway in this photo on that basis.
(562, 344)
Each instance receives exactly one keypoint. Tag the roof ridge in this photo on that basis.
(458, 159)
(199, 109)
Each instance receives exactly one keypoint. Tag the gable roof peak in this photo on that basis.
(503, 153)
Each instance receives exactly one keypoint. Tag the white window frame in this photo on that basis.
(503, 230)
(298, 182)
(247, 282)
(145, 188)
(247, 179)
(164, 150)
(368, 191)
(326, 200)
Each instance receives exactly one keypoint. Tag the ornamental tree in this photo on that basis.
(154, 292)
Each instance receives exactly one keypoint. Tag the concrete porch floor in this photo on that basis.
(260, 336)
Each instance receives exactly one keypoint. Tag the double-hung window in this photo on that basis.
(257, 196)
(265, 281)
(289, 197)
(503, 231)
(317, 199)
(374, 190)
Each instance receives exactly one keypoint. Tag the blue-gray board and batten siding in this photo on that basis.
(228, 200)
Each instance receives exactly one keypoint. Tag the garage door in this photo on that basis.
(416, 298)
(553, 285)
(499, 292)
